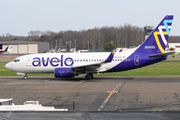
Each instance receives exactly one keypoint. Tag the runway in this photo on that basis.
(91, 115)
(98, 94)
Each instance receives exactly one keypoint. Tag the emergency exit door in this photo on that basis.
(28, 62)
(136, 60)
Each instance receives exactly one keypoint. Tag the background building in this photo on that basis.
(25, 47)
(147, 31)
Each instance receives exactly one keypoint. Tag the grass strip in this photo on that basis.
(158, 69)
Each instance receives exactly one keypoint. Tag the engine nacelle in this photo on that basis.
(64, 72)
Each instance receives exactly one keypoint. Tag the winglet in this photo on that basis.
(121, 49)
(110, 57)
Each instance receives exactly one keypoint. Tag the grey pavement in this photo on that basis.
(120, 97)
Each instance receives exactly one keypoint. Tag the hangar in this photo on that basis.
(25, 47)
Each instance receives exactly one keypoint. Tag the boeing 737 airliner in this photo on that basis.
(73, 64)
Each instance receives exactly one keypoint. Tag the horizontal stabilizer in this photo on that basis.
(162, 54)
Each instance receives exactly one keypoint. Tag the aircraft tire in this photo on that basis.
(25, 77)
(91, 75)
(87, 77)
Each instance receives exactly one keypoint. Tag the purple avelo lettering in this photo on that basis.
(53, 61)
(36, 62)
(61, 60)
(43, 61)
(56, 61)
(69, 64)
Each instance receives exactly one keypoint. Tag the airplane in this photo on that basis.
(151, 51)
(5, 50)
(8, 49)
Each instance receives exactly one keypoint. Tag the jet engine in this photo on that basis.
(64, 72)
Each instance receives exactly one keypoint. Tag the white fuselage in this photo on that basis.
(47, 62)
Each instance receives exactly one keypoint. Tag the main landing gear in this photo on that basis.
(89, 76)
(25, 77)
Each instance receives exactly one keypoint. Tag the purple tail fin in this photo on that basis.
(157, 41)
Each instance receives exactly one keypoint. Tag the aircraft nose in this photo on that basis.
(8, 66)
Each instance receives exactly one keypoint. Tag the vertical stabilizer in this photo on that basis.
(157, 41)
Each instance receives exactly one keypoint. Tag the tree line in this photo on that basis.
(122, 36)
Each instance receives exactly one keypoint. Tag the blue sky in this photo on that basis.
(18, 17)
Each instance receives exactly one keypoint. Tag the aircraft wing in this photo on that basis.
(93, 67)
(88, 67)
(162, 54)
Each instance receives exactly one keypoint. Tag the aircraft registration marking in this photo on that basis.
(106, 100)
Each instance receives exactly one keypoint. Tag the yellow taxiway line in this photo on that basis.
(106, 100)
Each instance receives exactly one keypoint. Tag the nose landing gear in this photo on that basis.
(25, 77)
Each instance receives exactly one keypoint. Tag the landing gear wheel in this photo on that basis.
(25, 77)
(87, 77)
(91, 75)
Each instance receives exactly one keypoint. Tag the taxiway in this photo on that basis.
(98, 94)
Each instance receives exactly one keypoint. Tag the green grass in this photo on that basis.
(6, 72)
(158, 69)
(173, 58)
(6, 60)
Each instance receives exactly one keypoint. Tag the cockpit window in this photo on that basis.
(16, 60)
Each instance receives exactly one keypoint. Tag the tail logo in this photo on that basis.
(162, 33)
(113, 53)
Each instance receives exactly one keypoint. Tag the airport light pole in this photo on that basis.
(75, 43)
(88, 44)
(69, 45)
(66, 45)
(60, 45)
(56, 46)
(52, 46)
